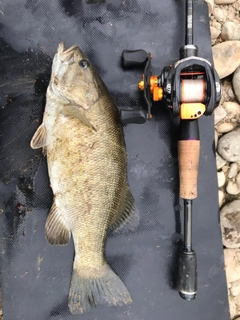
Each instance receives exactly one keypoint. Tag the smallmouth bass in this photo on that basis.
(87, 165)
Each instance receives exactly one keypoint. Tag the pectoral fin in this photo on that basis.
(39, 138)
(76, 113)
(56, 229)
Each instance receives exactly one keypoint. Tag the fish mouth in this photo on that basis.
(66, 55)
(62, 49)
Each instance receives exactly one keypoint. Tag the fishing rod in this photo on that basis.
(190, 88)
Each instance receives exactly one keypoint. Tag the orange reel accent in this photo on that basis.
(190, 111)
(155, 90)
(157, 93)
(141, 85)
(153, 83)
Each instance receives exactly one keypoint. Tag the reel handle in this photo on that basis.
(134, 58)
(133, 116)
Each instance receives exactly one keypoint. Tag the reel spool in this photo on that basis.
(193, 91)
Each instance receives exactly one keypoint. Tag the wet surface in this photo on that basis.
(35, 277)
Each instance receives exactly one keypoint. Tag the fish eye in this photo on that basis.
(83, 64)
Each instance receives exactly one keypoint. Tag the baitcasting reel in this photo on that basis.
(190, 88)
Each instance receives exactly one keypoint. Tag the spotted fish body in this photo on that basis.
(86, 158)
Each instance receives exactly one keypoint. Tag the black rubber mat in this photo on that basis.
(35, 276)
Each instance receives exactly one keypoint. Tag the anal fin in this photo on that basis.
(127, 218)
(56, 229)
(39, 138)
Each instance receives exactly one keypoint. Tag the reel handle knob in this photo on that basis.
(133, 58)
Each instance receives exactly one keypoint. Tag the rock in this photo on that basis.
(214, 32)
(219, 114)
(236, 300)
(231, 94)
(238, 180)
(236, 83)
(232, 308)
(225, 168)
(233, 170)
(210, 6)
(229, 146)
(220, 162)
(226, 85)
(230, 226)
(235, 291)
(235, 288)
(232, 264)
(216, 138)
(232, 109)
(236, 5)
(216, 25)
(224, 1)
(221, 179)
(232, 188)
(226, 56)
(226, 127)
(230, 31)
(220, 197)
(218, 14)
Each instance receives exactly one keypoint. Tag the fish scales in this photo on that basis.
(84, 189)
(87, 165)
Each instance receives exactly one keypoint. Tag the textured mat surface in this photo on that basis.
(35, 277)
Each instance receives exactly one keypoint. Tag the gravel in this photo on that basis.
(225, 33)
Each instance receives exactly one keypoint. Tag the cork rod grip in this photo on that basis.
(188, 159)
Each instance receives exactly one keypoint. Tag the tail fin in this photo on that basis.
(86, 293)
